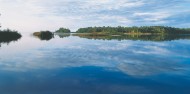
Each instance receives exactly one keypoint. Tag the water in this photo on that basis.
(95, 65)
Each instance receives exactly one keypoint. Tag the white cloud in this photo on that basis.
(152, 16)
(34, 15)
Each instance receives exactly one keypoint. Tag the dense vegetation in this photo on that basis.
(44, 35)
(8, 35)
(63, 30)
(134, 30)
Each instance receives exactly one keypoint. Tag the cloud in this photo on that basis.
(152, 17)
(27, 15)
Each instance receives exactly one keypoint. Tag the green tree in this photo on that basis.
(63, 30)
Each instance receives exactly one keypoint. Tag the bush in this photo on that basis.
(63, 30)
(44, 35)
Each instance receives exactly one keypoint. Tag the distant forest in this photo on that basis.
(134, 30)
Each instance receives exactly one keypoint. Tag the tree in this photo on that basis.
(134, 30)
(63, 30)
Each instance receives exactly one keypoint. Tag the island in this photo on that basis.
(62, 30)
(8, 35)
(143, 30)
(44, 35)
(145, 33)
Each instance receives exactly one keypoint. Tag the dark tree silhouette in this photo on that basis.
(8, 35)
(44, 35)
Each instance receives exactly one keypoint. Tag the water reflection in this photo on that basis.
(63, 35)
(136, 37)
(47, 37)
(80, 65)
(88, 80)
(8, 39)
(44, 35)
(121, 37)
(135, 58)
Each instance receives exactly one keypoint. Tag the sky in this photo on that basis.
(36, 15)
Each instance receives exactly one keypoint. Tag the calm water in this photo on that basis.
(97, 65)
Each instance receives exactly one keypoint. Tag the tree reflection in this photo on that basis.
(63, 35)
(6, 36)
(135, 37)
(44, 35)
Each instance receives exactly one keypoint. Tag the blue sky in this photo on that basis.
(35, 15)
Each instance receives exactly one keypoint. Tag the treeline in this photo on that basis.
(134, 30)
(8, 35)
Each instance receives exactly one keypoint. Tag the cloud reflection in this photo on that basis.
(135, 58)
